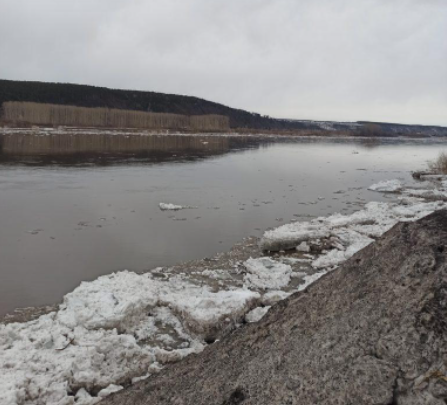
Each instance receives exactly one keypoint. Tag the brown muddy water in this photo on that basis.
(65, 219)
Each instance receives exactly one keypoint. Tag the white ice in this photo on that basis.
(256, 314)
(347, 234)
(387, 186)
(267, 274)
(170, 207)
(107, 332)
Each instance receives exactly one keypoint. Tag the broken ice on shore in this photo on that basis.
(387, 186)
(110, 331)
(337, 237)
(120, 328)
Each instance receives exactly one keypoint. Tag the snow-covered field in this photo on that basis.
(122, 327)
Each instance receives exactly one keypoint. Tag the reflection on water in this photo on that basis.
(61, 224)
(58, 144)
(102, 149)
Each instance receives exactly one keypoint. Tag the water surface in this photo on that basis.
(61, 224)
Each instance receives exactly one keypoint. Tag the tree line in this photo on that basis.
(64, 115)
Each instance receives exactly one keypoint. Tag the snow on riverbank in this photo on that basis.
(122, 327)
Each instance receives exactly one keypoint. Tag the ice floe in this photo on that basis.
(344, 235)
(170, 207)
(387, 186)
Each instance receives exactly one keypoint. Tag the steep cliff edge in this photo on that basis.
(372, 332)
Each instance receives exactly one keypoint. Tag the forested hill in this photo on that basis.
(90, 96)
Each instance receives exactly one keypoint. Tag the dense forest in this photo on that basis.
(90, 96)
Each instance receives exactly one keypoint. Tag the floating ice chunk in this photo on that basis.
(256, 314)
(170, 207)
(265, 273)
(387, 186)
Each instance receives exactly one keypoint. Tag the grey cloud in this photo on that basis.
(315, 59)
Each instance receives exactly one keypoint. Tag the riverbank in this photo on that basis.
(121, 328)
(328, 132)
(371, 332)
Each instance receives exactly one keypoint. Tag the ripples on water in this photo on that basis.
(70, 214)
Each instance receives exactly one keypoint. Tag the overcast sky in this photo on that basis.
(380, 60)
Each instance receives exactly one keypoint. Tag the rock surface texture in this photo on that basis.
(372, 332)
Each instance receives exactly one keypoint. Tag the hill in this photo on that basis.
(91, 96)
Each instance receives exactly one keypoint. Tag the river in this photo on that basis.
(68, 220)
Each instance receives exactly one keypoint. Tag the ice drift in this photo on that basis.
(122, 327)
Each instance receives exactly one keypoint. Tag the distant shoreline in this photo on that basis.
(242, 132)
